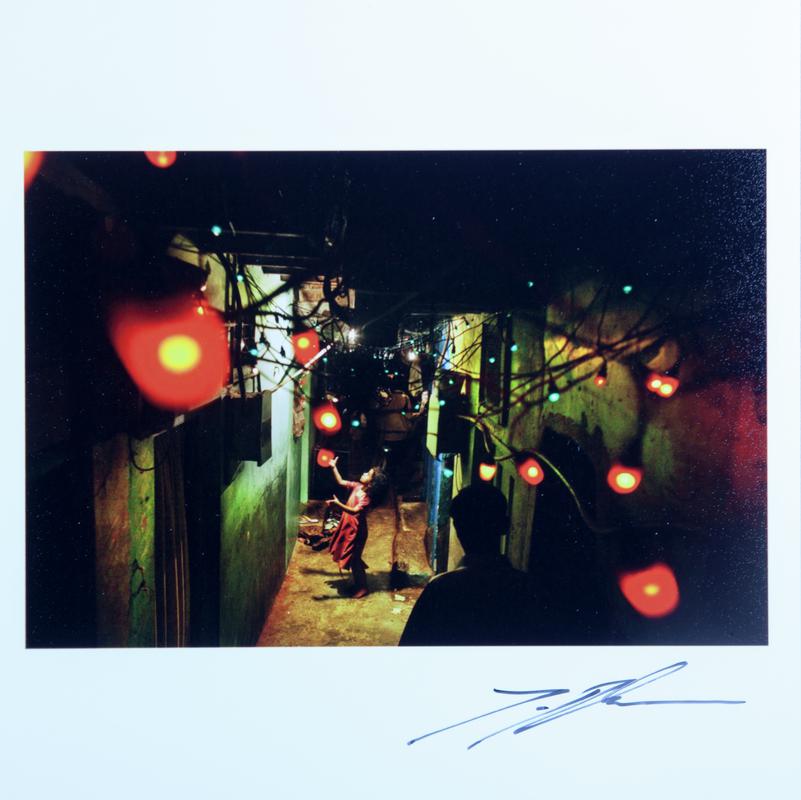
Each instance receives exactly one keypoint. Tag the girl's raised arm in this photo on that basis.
(337, 476)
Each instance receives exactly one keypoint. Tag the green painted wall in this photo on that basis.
(523, 431)
(703, 449)
(259, 510)
(253, 549)
(256, 511)
(294, 460)
(142, 631)
(124, 528)
(112, 542)
(305, 462)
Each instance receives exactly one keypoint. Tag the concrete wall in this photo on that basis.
(704, 449)
(257, 525)
(303, 461)
(260, 507)
(124, 530)
(253, 546)
(140, 514)
(464, 355)
(293, 494)
(523, 430)
(258, 530)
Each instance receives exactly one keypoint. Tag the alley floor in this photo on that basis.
(313, 608)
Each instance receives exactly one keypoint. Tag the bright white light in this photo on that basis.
(412, 355)
(352, 335)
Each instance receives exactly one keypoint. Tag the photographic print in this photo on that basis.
(377, 398)
(429, 406)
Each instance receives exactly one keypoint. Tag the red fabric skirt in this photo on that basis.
(349, 539)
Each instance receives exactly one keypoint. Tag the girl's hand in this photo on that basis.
(333, 462)
(332, 501)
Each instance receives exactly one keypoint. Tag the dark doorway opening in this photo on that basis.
(60, 554)
(203, 475)
(170, 535)
(566, 557)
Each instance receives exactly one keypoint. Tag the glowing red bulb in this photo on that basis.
(326, 418)
(306, 345)
(653, 592)
(624, 480)
(600, 380)
(324, 457)
(33, 161)
(662, 385)
(178, 359)
(487, 471)
(531, 471)
(668, 387)
(179, 353)
(161, 158)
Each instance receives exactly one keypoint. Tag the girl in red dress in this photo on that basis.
(349, 539)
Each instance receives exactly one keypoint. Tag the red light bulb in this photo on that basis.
(662, 385)
(324, 457)
(654, 382)
(326, 419)
(531, 471)
(306, 345)
(33, 161)
(653, 592)
(600, 378)
(487, 471)
(624, 480)
(668, 387)
(161, 158)
(177, 358)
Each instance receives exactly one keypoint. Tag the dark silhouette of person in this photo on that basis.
(485, 601)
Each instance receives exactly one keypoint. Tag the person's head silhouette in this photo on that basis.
(479, 516)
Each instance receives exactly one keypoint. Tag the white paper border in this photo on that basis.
(332, 75)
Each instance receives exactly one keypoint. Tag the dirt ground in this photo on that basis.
(313, 608)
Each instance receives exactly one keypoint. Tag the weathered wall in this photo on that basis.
(703, 449)
(464, 355)
(523, 431)
(112, 541)
(455, 550)
(259, 509)
(304, 461)
(293, 493)
(142, 609)
(124, 529)
(253, 548)
(256, 528)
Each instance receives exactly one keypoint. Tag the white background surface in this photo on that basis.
(333, 723)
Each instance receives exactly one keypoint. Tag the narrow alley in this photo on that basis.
(251, 320)
(313, 607)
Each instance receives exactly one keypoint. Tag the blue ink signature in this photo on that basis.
(609, 693)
